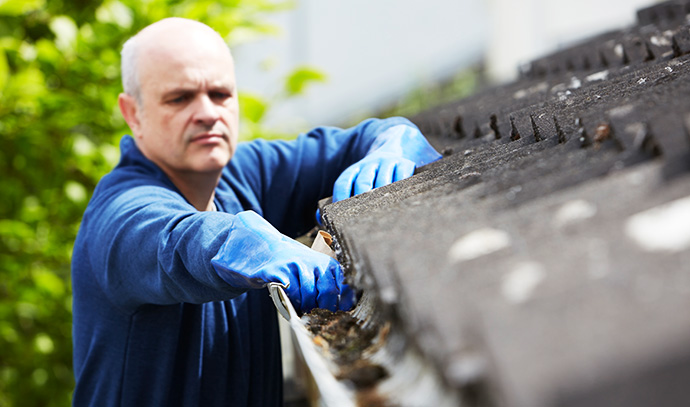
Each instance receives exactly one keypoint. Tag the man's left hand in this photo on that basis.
(394, 155)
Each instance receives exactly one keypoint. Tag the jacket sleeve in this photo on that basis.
(143, 243)
(290, 177)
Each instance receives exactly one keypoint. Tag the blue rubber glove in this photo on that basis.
(255, 254)
(393, 156)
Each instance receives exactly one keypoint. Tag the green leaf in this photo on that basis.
(27, 87)
(110, 154)
(252, 107)
(251, 33)
(19, 7)
(15, 229)
(10, 43)
(300, 78)
(4, 70)
(47, 51)
(49, 282)
(8, 333)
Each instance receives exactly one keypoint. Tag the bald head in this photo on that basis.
(163, 41)
(181, 103)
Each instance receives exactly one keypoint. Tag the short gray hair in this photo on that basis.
(130, 73)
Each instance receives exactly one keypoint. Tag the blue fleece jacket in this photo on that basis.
(154, 324)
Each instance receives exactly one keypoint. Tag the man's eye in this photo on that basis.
(220, 95)
(179, 99)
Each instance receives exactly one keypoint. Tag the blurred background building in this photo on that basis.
(375, 53)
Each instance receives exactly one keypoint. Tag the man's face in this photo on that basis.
(188, 115)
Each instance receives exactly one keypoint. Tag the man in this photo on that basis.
(178, 240)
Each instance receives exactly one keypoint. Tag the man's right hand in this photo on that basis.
(255, 254)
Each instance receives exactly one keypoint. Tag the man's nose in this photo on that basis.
(205, 111)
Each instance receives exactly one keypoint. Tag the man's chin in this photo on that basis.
(214, 161)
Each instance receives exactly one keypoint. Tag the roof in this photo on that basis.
(545, 260)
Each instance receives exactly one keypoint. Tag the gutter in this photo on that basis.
(357, 358)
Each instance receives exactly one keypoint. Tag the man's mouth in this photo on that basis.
(208, 138)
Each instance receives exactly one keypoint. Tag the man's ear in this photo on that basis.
(129, 109)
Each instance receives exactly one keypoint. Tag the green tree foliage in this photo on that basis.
(59, 128)
(300, 78)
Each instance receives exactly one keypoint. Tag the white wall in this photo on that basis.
(375, 51)
(523, 30)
